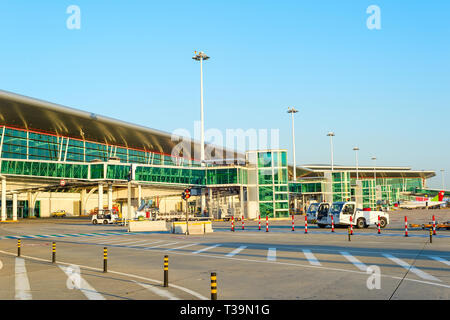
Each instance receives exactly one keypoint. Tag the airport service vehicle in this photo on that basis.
(424, 202)
(105, 216)
(314, 209)
(342, 211)
(59, 214)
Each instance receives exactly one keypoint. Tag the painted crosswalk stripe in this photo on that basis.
(413, 269)
(206, 249)
(272, 254)
(117, 240)
(361, 266)
(311, 257)
(23, 290)
(80, 283)
(185, 246)
(235, 251)
(147, 243)
(159, 292)
(112, 239)
(162, 245)
(130, 243)
(440, 260)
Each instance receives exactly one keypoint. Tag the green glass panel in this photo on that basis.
(97, 171)
(265, 193)
(264, 159)
(266, 209)
(281, 196)
(265, 176)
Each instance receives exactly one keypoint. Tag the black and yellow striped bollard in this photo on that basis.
(166, 271)
(349, 234)
(53, 252)
(431, 235)
(213, 286)
(18, 247)
(105, 260)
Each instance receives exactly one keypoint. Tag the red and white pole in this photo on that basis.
(379, 226)
(259, 222)
(351, 226)
(267, 223)
(292, 222)
(332, 223)
(434, 226)
(306, 224)
(242, 222)
(232, 223)
(406, 226)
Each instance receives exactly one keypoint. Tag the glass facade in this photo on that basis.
(273, 195)
(28, 145)
(27, 153)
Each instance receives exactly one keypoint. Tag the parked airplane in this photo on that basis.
(424, 202)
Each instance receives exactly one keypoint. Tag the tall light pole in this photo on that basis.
(356, 149)
(292, 111)
(331, 135)
(200, 57)
(442, 174)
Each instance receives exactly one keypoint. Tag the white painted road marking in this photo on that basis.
(235, 251)
(207, 248)
(162, 245)
(129, 242)
(440, 260)
(361, 266)
(311, 258)
(85, 287)
(272, 254)
(185, 246)
(159, 292)
(413, 269)
(23, 290)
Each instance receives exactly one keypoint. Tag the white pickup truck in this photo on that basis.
(342, 211)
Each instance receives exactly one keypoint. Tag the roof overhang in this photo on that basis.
(33, 114)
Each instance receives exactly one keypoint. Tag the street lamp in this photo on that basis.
(356, 149)
(200, 57)
(292, 111)
(331, 135)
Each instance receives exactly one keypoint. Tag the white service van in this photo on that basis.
(342, 211)
(315, 210)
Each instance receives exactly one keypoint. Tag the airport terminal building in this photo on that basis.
(58, 158)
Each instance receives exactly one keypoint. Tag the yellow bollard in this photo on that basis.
(105, 260)
(166, 271)
(53, 252)
(213, 286)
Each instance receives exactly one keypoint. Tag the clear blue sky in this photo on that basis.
(386, 91)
